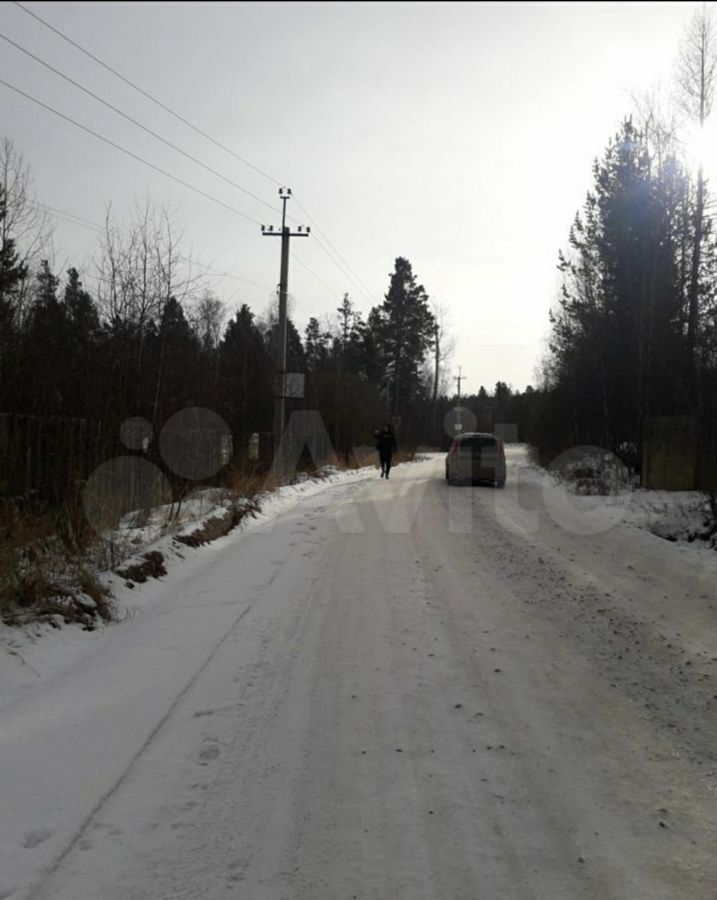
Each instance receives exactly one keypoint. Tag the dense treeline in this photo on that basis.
(622, 345)
(633, 334)
(149, 339)
(628, 341)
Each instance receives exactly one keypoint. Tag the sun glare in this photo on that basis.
(701, 145)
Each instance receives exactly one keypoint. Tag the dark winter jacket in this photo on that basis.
(386, 443)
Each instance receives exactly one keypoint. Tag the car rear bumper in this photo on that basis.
(465, 472)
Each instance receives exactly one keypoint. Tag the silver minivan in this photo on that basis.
(476, 457)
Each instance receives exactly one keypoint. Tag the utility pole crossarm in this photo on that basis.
(270, 231)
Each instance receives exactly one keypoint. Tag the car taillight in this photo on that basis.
(501, 449)
(454, 447)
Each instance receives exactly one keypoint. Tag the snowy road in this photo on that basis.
(391, 691)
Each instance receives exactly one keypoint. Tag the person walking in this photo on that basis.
(386, 446)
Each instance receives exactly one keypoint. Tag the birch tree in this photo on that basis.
(696, 73)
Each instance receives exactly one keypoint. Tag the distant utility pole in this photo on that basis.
(280, 386)
(458, 378)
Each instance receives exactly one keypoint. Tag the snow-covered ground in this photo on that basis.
(379, 690)
(39, 646)
(672, 515)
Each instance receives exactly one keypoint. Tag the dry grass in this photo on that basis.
(151, 566)
(49, 586)
(368, 456)
(42, 573)
(48, 558)
(362, 456)
(404, 456)
(218, 526)
(249, 483)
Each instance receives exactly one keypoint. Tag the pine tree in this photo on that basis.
(696, 79)
(348, 320)
(82, 347)
(316, 346)
(618, 346)
(246, 376)
(12, 276)
(174, 354)
(404, 331)
(45, 348)
(295, 356)
(80, 307)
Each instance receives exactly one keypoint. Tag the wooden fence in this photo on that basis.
(679, 454)
(51, 458)
(54, 459)
(46, 456)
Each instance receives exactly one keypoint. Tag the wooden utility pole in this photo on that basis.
(458, 378)
(437, 337)
(280, 383)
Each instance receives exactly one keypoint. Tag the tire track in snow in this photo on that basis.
(37, 891)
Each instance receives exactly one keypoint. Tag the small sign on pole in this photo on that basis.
(289, 384)
(294, 386)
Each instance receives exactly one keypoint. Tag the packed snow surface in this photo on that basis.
(396, 690)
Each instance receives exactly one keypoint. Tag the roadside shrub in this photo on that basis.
(592, 471)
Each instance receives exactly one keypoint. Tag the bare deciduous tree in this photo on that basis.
(443, 350)
(208, 318)
(25, 220)
(695, 77)
(656, 120)
(697, 67)
(139, 268)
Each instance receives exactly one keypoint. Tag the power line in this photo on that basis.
(226, 274)
(344, 266)
(70, 218)
(134, 121)
(313, 274)
(367, 291)
(144, 93)
(402, 379)
(74, 219)
(341, 265)
(343, 271)
(124, 150)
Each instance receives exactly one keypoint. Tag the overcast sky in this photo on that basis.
(460, 136)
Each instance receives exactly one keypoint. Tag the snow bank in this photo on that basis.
(40, 651)
(676, 516)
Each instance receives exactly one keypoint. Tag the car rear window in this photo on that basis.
(478, 443)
